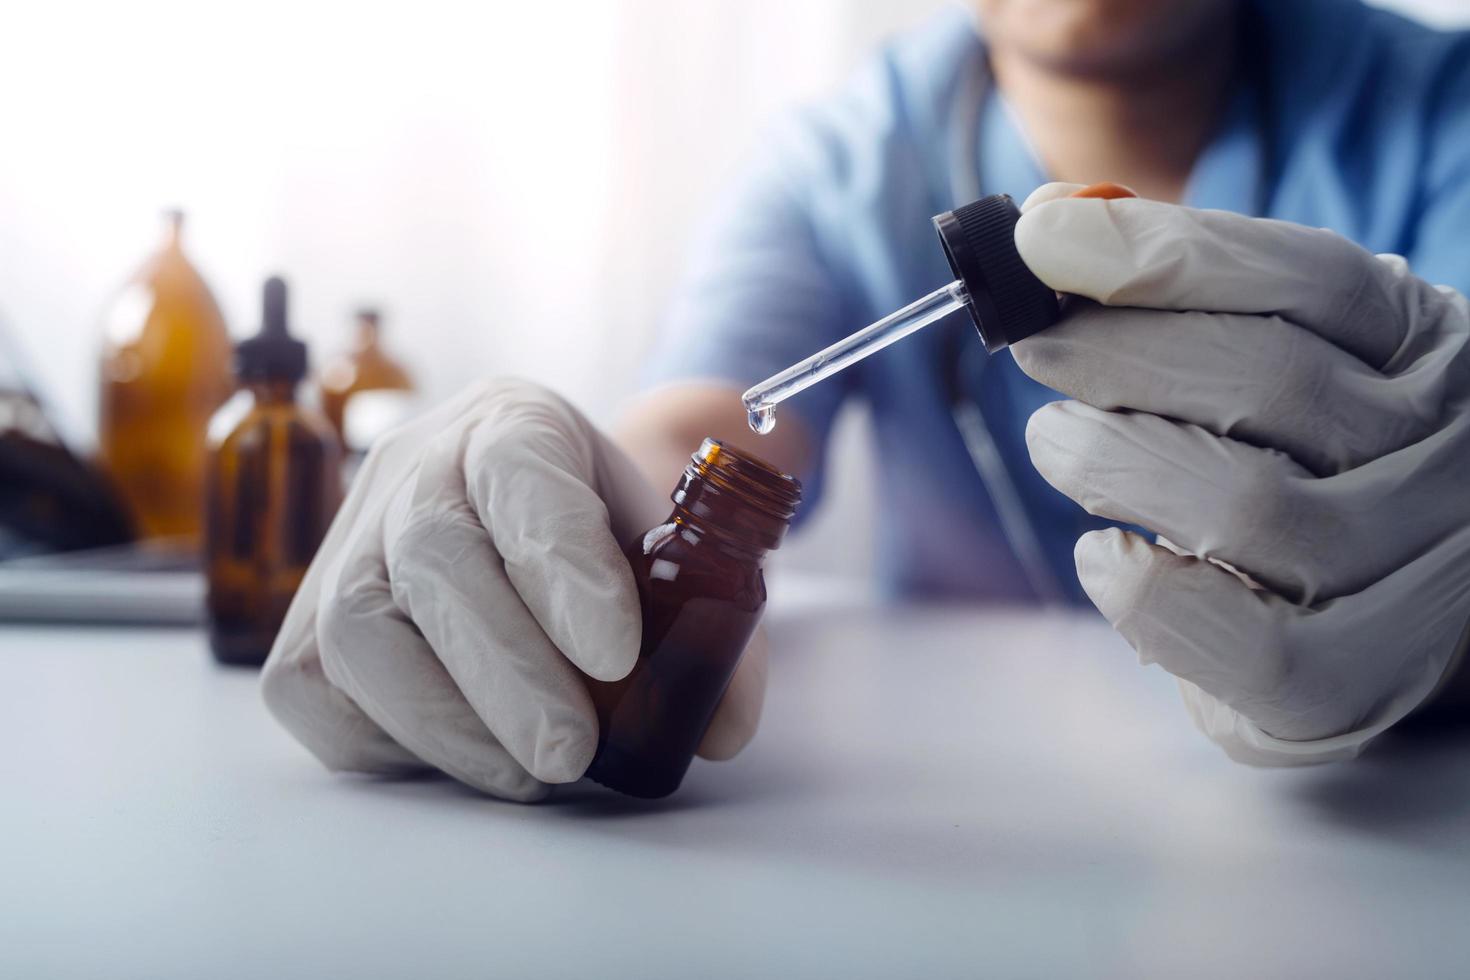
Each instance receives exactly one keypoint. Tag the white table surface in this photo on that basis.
(935, 792)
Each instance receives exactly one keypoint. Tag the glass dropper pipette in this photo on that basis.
(1006, 301)
(761, 401)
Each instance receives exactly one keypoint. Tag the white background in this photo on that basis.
(513, 182)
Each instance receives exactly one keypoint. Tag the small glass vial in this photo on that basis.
(365, 368)
(702, 592)
(273, 484)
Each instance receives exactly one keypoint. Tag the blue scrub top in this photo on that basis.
(1344, 117)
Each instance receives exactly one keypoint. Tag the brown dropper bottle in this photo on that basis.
(165, 370)
(702, 592)
(273, 484)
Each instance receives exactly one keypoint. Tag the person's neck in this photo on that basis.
(1144, 130)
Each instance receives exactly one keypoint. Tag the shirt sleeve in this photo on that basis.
(760, 291)
(1439, 254)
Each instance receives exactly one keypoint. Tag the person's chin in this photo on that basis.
(1100, 40)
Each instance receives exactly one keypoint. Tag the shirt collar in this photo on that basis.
(1227, 174)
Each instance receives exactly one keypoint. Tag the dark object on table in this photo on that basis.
(49, 499)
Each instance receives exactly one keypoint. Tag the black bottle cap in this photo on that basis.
(273, 354)
(1007, 302)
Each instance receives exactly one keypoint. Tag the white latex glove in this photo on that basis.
(1275, 398)
(471, 582)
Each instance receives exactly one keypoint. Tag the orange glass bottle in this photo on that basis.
(165, 370)
(702, 591)
(366, 367)
(274, 482)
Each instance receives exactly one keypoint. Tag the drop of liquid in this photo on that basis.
(762, 420)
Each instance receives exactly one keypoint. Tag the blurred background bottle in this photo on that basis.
(365, 368)
(274, 481)
(165, 370)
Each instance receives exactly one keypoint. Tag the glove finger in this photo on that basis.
(1257, 379)
(320, 716)
(739, 712)
(1255, 509)
(446, 577)
(1197, 621)
(372, 653)
(532, 479)
(1135, 252)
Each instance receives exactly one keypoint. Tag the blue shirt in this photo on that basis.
(1343, 117)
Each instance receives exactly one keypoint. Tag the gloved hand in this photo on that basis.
(1275, 400)
(471, 582)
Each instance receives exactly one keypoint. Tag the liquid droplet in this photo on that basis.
(762, 420)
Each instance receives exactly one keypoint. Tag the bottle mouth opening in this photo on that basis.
(747, 476)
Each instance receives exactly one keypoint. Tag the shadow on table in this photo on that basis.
(585, 799)
(1411, 782)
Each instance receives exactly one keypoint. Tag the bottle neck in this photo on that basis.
(736, 499)
(273, 392)
(367, 332)
(173, 229)
(706, 531)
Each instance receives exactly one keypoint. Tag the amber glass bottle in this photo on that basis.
(165, 370)
(274, 482)
(702, 591)
(366, 367)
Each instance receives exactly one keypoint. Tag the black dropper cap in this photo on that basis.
(273, 354)
(1007, 302)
